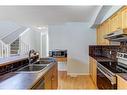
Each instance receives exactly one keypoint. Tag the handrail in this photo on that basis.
(4, 49)
(24, 48)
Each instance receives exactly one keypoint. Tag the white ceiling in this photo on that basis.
(45, 15)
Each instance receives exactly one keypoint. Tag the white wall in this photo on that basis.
(29, 38)
(76, 38)
(7, 27)
(41, 42)
(44, 44)
(34, 39)
(37, 40)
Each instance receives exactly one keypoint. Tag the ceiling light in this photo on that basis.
(44, 27)
(39, 28)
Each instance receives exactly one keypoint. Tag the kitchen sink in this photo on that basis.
(47, 60)
(37, 66)
(32, 68)
(42, 62)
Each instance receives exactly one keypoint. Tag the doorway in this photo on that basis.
(44, 44)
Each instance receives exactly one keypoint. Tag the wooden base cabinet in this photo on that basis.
(93, 69)
(62, 59)
(121, 83)
(51, 78)
(54, 77)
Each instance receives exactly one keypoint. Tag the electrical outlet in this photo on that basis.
(110, 52)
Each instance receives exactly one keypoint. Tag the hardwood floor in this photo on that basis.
(79, 82)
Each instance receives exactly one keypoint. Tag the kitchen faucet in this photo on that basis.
(31, 52)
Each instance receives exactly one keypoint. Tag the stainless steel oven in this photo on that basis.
(105, 78)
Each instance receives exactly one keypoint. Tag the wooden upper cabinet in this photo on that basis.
(102, 33)
(116, 21)
(102, 30)
(124, 17)
(97, 34)
(107, 26)
(106, 31)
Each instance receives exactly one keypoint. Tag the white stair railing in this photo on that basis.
(24, 48)
(4, 50)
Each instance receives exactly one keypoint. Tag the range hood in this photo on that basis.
(119, 35)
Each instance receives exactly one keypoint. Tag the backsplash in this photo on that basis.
(13, 67)
(123, 47)
(95, 50)
(109, 51)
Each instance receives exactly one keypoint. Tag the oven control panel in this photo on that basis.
(122, 57)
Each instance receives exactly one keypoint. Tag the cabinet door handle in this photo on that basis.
(52, 78)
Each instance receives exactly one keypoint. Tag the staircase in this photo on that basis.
(11, 44)
(4, 50)
(19, 47)
(14, 47)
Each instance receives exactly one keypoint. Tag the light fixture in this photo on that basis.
(39, 28)
(43, 27)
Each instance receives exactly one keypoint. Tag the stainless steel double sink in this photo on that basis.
(33, 68)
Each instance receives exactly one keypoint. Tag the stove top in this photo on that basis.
(115, 67)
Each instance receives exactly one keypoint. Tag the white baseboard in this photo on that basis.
(62, 70)
(76, 74)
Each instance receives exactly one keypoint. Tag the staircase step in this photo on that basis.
(14, 47)
(13, 52)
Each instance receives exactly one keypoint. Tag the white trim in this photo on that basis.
(41, 46)
(62, 69)
(47, 42)
(76, 74)
(24, 32)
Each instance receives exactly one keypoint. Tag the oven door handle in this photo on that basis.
(109, 77)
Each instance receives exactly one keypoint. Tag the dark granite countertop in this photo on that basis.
(12, 59)
(9, 60)
(21, 80)
(102, 59)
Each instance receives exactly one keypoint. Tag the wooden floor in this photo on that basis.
(79, 82)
